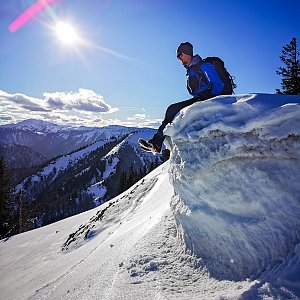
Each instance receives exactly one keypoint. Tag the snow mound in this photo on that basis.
(235, 167)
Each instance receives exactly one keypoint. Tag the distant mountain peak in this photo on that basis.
(36, 125)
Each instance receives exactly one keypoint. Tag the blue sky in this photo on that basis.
(124, 69)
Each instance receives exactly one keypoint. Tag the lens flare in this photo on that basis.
(29, 13)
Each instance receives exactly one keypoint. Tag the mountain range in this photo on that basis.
(47, 140)
(61, 170)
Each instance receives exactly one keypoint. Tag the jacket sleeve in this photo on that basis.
(213, 79)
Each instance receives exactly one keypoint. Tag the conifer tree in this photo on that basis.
(122, 186)
(5, 199)
(290, 81)
(22, 213)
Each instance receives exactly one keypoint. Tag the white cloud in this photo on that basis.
(6, 118)
(82, 108)
(23, 101)
(154, 123)
(84, 100)
(137, 117)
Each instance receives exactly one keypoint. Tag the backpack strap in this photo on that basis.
(199, 70)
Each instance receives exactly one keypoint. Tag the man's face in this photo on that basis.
(184, 58)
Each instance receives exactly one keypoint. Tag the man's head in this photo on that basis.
(185, 53)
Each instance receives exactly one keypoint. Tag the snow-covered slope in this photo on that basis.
(226, 189)
(104, 258)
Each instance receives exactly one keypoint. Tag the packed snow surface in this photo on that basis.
(220, 220)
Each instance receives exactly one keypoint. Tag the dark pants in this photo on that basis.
(171, 112)
(173, 109)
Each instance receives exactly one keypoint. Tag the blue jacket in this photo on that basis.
(202, 79)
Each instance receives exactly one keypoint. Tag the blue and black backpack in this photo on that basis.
(228, 80)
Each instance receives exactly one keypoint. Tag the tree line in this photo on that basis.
(128, 179)
(60, 198)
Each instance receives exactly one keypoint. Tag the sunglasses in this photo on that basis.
(179, 55)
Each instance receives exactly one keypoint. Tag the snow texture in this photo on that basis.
(98, 191)
(231, 231)
(235, 164)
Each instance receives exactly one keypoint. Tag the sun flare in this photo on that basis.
(66, 33)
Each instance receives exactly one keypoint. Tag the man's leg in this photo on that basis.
(171, 112)
(174, 109)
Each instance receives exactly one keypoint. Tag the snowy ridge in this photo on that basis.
(60, 164)
(48, 127)
(235, 166)
(114, 157)
(132, 140)
(38, 126)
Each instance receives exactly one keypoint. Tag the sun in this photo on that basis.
(66, 33)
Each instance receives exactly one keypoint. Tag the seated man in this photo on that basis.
(203, 83)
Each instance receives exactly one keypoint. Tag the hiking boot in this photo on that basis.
(157, 141)
(153, 145)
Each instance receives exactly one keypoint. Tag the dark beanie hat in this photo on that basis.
(186, 48)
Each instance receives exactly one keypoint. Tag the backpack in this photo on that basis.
(227, 79)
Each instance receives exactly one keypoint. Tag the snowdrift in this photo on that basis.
(235, 167)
